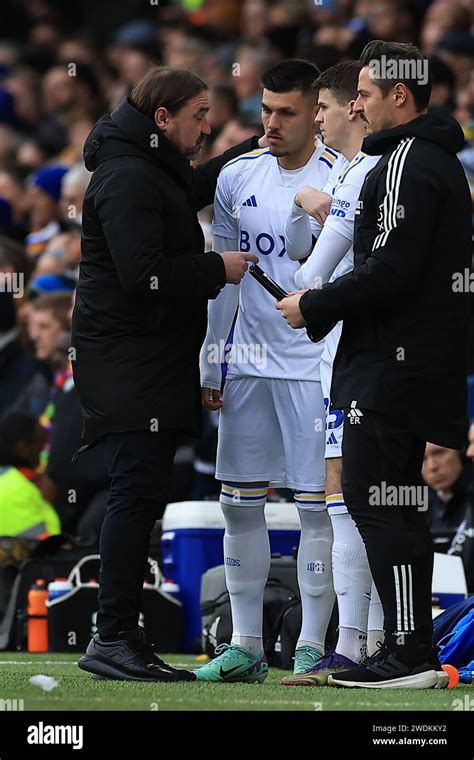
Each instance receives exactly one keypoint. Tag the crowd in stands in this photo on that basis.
(61, 67)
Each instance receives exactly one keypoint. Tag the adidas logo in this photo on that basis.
(252, 201)
(354, 414)
(332, 439)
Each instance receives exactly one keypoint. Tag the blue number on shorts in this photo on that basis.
(334, 418)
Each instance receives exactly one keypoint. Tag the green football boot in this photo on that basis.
(234, 664)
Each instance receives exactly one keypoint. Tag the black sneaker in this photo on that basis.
(129, 658)
(385, 670)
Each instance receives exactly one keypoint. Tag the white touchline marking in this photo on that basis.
(170, 700)
(310, 705)
(35, 662)
(69, 662)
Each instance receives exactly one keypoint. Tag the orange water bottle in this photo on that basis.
(37, 617)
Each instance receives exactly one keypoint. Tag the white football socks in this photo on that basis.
(352, 583)
(247, 564)
(315, 575)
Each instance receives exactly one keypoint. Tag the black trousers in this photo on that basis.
(384, 493)
(139, 465)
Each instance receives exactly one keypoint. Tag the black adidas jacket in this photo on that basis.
(141, 306)
(403, 349)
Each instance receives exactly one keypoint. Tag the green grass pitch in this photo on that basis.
(77, 690)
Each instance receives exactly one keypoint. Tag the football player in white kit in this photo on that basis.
(332, 257)
(271, 428)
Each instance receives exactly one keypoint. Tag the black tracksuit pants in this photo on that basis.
(384, 493)
(139, 465)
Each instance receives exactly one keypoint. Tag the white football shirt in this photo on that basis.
(253, 197)
(325, 258)
(345, 194)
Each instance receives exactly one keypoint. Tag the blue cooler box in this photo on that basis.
(192, 543)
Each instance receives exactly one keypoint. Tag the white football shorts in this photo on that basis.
(272, 430)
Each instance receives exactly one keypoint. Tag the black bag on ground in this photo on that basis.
(281, 624)
(56, 557)
(277, 600)
(52, 558)
(290, 630)
(72, 618)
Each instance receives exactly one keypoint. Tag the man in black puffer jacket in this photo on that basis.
(139, 321)
(400, 369)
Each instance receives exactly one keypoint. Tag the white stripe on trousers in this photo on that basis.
(410, 592)
(404, 597)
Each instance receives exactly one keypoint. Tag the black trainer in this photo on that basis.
(385, 670)
(129, 658)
